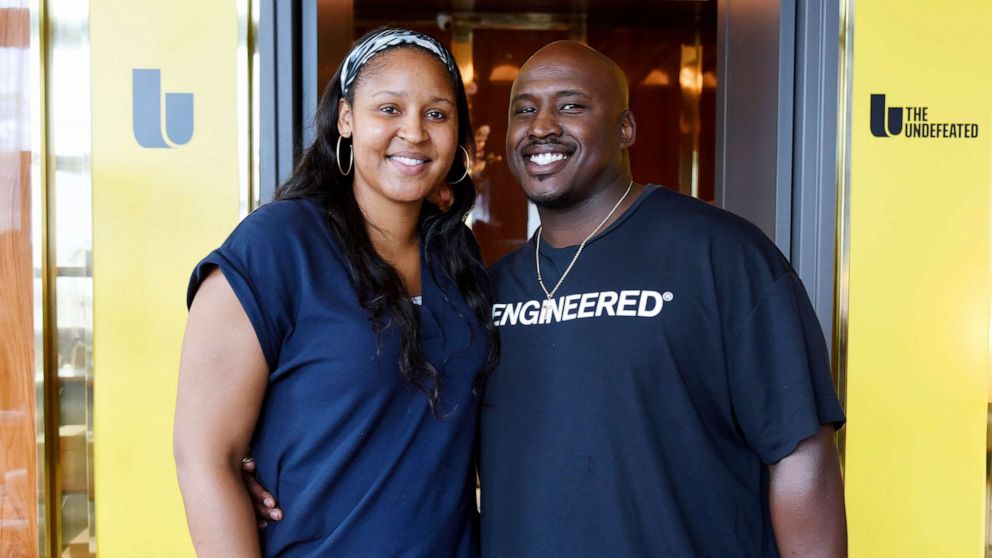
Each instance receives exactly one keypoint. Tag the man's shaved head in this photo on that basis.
(569, 125)
(576, 52)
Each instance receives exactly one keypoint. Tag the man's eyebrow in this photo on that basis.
(573, 93)
(522, 97)
(558, 94)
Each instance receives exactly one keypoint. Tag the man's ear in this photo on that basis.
(344, 117)
(628, 129)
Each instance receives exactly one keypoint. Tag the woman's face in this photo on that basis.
(404, 127)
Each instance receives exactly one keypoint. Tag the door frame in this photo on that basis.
(777, 122)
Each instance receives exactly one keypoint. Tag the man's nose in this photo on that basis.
(544, 124)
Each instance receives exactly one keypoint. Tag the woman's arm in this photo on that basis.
(222, 379)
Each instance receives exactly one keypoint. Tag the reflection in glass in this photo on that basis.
(691, 83)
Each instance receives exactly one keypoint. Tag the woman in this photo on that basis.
(341, 333)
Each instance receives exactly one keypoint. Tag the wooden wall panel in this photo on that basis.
(18, 469)
(18, 464)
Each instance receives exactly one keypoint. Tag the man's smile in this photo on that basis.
(545, 158)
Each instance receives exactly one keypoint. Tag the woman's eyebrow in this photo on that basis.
(389, 94)
(403, 94)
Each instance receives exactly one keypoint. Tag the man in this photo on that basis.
(664, 387)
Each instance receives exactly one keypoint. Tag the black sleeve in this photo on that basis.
(256, 261)
(779, 369)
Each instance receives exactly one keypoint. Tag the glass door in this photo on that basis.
(667, 49)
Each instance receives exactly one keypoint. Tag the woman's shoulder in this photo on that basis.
(285, 214)
(277, 222)
(282, 237)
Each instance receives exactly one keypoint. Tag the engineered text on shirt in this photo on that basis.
(624, 303)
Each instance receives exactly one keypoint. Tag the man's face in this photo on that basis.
(563, 137)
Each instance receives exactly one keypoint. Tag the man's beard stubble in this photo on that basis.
(554, 201)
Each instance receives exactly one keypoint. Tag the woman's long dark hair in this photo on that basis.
(443, 234)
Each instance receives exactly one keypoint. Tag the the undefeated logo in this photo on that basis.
(914, 122)
(146, 99)
(631, 303)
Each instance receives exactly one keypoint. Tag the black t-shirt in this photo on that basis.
(638, 414)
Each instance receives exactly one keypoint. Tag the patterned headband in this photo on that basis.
(377, 42)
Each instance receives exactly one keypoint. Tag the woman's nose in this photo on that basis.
(412, 129)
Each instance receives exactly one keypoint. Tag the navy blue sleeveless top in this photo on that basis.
(352, 452)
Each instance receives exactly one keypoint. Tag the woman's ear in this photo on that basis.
(344, 117)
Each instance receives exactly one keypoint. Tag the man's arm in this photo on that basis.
(222, 380)
(806, 497)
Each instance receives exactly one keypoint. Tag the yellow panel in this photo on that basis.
(156, 212)
(918, 360)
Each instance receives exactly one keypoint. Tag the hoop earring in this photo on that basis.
(468, 165)
(351, 158)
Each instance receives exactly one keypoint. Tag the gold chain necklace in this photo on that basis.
(537, 248)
